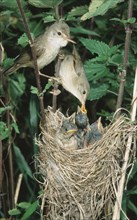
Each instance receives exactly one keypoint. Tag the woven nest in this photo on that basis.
(79, 184)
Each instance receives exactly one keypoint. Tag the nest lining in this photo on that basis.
(78, 184)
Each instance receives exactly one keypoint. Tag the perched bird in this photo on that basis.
(65, 135)
(47, 47)
(73, 78)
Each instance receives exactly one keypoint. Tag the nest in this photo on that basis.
(80, 184)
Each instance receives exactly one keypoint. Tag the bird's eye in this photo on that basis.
(59, 33)
(84, 92)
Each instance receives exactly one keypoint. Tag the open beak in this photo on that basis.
(71, 131)
(83, 109)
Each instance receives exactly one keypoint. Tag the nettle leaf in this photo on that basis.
(95, 71)
(95, 46)
(77, 11)
(24, 205)
(99, 7)
(99, 47)
(97, 91)
(45, 3)
(48, 18)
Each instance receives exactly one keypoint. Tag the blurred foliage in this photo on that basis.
(98, 27)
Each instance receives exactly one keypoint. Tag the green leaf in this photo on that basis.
(15, 126)
(24, 205)
(99, 7)
(77, 11)
(132, 207)
(34, 90)
(48, 18)
(17, 87)
(23, 40)
(34, 113)
(4, 109)
(4, 131)
(81, 30)
(14, 212)
(21, 162)
(45, 3)
(95, 46)
(95, 71)
(97, 91)
(47, 86)
(30, 210)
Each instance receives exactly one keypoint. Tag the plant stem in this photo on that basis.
(128, 31)
(119, 193)
(36, 70)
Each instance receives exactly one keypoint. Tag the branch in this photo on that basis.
(119, 194)
(36, 70)
(125, 61)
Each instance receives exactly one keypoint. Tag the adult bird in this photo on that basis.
(73, 78)
(47, 47)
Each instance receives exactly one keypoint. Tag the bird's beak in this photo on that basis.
(83, 109)
(71, 131)
(68, 39)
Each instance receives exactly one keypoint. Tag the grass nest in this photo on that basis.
(80, 184)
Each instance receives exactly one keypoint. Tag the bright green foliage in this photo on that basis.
(99, 29)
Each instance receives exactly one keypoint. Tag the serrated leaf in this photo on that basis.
(31, 209)
(45, 3)
(99, 7)
(21, 162)
(95, 46)
(77, 11)
(14, 212)
(48, 18)
(97, 92)
(95, 71)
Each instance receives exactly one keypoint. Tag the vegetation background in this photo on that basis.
(102, 30)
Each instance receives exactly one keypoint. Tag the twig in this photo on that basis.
(18, 188)
(36, 70)
(125, 61)
(117, 207)
(56, 85)
(0, 164)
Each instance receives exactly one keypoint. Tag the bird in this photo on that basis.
(65, 135)
(47, 47)
(73, 78)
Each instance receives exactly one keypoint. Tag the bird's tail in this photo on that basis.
(11, 69)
